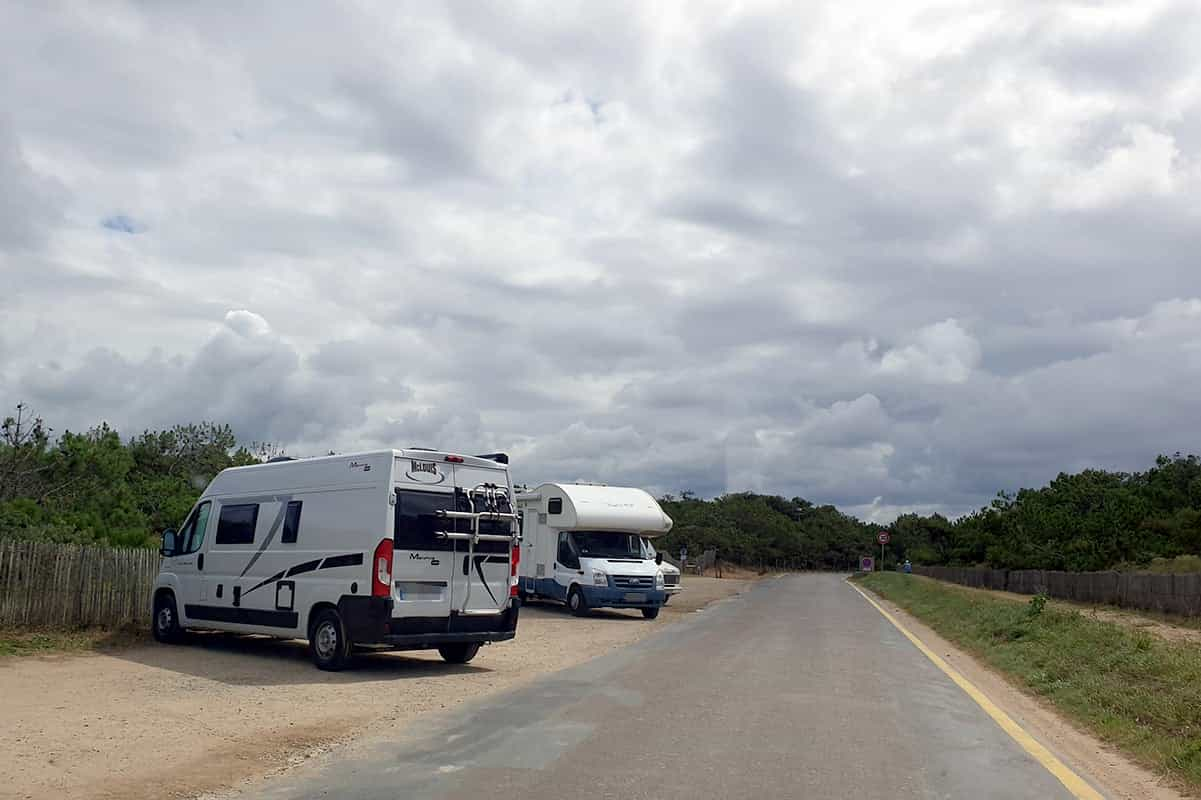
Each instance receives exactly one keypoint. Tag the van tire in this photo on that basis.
(576, 602)
(165, 624)
(459, 653)
(328, 643)
(650, 613)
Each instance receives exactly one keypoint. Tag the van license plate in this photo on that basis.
(635, 597)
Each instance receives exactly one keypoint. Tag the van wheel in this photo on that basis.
(650, 613)
(576, 602)
(328, 642)
(459, 653)
(166, 620)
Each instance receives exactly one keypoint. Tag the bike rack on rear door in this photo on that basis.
(492, 494)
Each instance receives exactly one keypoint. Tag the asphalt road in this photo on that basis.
(798, 688)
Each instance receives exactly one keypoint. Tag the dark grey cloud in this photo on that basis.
(893, 261)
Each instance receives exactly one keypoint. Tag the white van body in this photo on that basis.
(582, 544)
(671, 573)
(411, 549)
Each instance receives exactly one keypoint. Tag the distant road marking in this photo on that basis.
(1071, 781)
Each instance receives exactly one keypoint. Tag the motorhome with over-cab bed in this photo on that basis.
(583, 545)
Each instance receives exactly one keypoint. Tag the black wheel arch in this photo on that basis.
(313, 614)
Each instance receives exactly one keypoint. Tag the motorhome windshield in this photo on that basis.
(607, 544)
(648, 549)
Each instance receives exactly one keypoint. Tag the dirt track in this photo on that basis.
(153, 721)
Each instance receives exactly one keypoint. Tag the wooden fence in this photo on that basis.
(64, 585)
(1175, 594)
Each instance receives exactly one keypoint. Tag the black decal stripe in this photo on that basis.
(275, 525)
(307, 566)
(277, 576)
(485, 560)
(479, 568)
(350, 560)
(243, 616)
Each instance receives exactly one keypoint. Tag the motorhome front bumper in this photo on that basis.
(604, 597)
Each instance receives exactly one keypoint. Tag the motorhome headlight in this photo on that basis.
(599, 578)
(658, 580)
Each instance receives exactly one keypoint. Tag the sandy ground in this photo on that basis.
(1101, 764)
(156, 721)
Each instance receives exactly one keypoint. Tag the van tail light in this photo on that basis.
(514, 560)
(381, 572)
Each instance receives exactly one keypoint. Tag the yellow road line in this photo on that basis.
(1071, 781)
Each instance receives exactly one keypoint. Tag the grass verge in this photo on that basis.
(1127, 687)
(26, 642)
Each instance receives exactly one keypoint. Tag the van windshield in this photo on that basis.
(607, 544)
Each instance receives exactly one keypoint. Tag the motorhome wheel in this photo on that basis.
(576, 602)
(459, 653)
(328, 642)
(166, 620)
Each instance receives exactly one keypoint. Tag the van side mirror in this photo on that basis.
(168, 546)
(658, 558)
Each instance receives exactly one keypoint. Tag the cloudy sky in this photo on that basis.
(886, 258)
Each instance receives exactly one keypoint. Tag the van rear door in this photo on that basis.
(422, 561)
(482, 568)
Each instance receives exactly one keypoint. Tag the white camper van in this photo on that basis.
(582, 545)
(410, 549)
(671, 573)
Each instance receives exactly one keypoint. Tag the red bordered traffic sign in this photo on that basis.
(883, 537)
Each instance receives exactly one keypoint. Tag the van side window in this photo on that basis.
(236, 525)
(291, 522)
(554, 505)
(417, 525)
(191, 536)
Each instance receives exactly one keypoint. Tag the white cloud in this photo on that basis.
(1145, 165)
(940, 353)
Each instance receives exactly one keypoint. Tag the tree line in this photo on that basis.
(765, 530)
(1086, 521)
(95, 487)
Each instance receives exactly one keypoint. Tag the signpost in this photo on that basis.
(883, 538)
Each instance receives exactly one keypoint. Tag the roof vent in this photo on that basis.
(499, 458)
(277, 459)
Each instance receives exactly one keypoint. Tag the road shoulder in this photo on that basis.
(1098, 763)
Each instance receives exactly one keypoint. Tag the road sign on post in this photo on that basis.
(867, 564)
(883, 538)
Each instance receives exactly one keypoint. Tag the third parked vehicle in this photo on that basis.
(582, 544)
